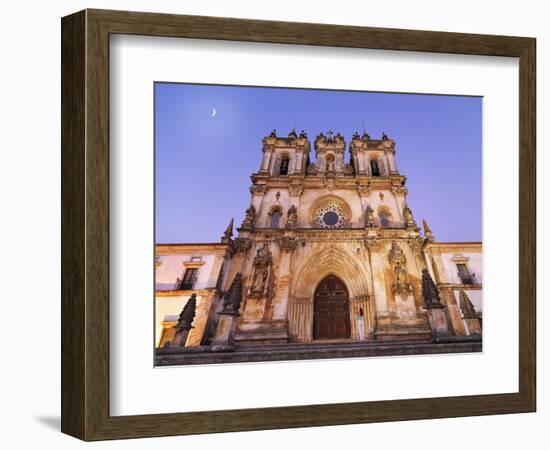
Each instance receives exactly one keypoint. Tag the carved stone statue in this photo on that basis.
(369, 217)
(292, 217)
(262, 268)
(384, 136)
(249, 219)
(273, 133)
(408, 216)
(330, 165)
(303, 135)
(397, 258)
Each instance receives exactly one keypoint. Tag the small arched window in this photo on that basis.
(384, 219)
(283, 167)
(375, 170)
(274, 219)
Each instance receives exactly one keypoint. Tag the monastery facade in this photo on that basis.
(328, 252)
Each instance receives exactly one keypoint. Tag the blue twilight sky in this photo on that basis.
(204, 162)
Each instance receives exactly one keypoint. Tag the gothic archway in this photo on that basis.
(331, 318)
(324, 260)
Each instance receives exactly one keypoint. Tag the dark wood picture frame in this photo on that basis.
(85, 224)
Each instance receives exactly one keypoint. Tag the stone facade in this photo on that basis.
(345, 217)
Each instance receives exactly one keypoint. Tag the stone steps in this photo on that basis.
(289, 352)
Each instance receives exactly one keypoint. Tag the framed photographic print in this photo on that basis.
(270, 224)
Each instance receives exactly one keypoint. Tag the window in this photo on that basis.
(384, 219)
(189, 279)
(283, 168)
(375, 170)
(275, 219)
(464, 274)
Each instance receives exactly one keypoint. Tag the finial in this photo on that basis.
(468, 310)
(187, 315)
(430, 292)
(427, 231)
(233, 297)
(228, 233)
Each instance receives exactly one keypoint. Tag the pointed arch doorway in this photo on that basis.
(331, 310)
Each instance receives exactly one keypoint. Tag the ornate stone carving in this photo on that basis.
(374, 244)
(241, 245)
(233, 297)
(398, 260)
(258, 189)
(468, 310)
(261, 272)
(292, 217)
(369, 217)
(295, 190)
(249, 218)
(430, 292)
(399, 190)
(288, 244)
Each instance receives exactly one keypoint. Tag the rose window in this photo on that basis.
(330, 215)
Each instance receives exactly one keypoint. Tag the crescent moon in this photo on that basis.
(213, 112)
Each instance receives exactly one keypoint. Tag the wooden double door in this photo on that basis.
(331, 310)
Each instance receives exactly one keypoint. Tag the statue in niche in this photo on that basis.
(330, 165)
(408, 216)
(369, 217)
(249, 218)
(401, 283)
(260, 277)
(292, 217)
